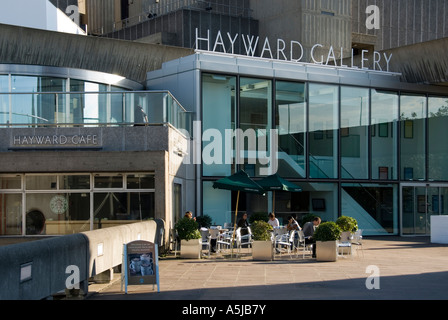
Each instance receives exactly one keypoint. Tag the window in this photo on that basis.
(323, 125)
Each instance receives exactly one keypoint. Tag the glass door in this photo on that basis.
(419, 203)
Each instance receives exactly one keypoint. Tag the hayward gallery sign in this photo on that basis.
(295, 52)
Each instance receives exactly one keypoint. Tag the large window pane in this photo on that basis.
(4, 99)
(37, 107)
(375, 207)
(323, 125)
(41, 182)
(384, 135)
(255, 122)
(115, 208)
(354, 133)
(218, 114)
(74, 182)
(290, 120)
(438, 148)
(412, 117)
(217, 204)
(11, 182)
(10, 214)
(57, 214)
(107, 182)
(140, 181)
(87, 107)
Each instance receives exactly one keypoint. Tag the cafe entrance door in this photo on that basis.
(418, 203)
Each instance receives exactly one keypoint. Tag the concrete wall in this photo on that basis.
(93, 252)
(403, 22)
(132, 60)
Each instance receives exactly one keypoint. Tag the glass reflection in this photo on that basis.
(323, 125)
(384, 135)
(437, 149)
(413, 132)
(290, 119)
(354, 133)
(255, 122)
(218, 114)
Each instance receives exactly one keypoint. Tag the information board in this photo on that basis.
(140, 264)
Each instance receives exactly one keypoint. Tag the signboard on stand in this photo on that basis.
(140, 264)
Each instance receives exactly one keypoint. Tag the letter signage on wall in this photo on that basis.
(55, 141)
(279, 51)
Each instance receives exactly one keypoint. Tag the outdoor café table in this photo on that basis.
(280, 230)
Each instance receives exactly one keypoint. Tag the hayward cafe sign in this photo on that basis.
(295, 53)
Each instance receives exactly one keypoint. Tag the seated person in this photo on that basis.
(243, 224)
(273, 221)
(308, 231)
(292, 224)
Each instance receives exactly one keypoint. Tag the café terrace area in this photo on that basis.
(406, 268)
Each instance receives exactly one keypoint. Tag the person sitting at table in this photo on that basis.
(273, 221)
(189, 215)
(308, 232)
(243, 224)
(292, 224)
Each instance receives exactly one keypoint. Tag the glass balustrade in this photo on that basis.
(47, 109)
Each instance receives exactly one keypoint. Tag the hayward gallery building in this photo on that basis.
(82, 149)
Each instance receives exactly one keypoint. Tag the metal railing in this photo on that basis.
(111, 108)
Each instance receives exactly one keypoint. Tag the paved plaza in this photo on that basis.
(408, 269)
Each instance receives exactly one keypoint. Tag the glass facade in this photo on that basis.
(290, 121)
(41, 101)
(437, 149)
(350, 148)
(57, 204)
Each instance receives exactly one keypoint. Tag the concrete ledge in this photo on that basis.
(39, 269)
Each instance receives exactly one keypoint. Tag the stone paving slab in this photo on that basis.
(409, 269)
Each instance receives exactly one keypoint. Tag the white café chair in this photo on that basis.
(287, 240)
(302, 244)
(224, 241)
(174, 241)
(344, 249)
(243, 240)
(357, 241)
(206, 240)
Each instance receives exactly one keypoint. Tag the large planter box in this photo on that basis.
(326, 251)
(190, 249)
(439, 229)
(262, 250)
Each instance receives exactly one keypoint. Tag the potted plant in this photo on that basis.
(348, 226)
(204, 221)
(188, 232)
(262, 248)
(327, 236)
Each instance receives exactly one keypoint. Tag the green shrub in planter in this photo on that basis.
(261, 230)
(327, 231)
(204, 221)
(187, 229)
(347, 224)
(258, 216)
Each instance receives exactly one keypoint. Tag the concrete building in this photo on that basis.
(97, 131)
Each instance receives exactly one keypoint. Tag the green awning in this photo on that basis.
(277, 183)
(239, 181)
